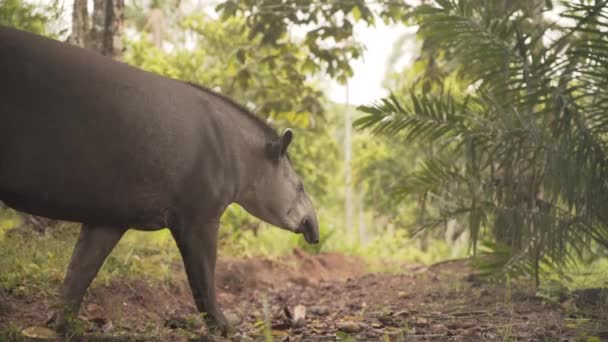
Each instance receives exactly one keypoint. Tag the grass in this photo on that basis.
(394, 246)
(36, 263)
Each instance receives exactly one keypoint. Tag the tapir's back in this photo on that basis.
(83, 135)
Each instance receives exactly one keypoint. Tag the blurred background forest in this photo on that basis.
(492, 142)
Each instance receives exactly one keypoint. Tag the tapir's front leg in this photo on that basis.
(198, 245)
(92, 248)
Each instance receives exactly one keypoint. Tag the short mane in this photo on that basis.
(258, 120)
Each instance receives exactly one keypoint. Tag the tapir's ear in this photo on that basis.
(278, 149)
(285, 140)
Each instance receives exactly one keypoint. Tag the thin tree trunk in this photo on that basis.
(362, 225)
(107, 27)
(348, 177)
(156, 23)
(80, 23)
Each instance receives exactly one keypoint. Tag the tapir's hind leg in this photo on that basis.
(94, 245)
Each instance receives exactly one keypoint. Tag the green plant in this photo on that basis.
(27, 16)
(11, 333)
(517, 139)
(553, 292)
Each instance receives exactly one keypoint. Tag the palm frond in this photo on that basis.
(523, 146)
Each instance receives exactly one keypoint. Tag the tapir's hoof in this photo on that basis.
(218, 324)
(56, 320)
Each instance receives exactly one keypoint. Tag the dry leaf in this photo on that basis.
(279, 333)
(39, 333)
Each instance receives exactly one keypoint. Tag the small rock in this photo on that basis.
(319, 310)
(523, 336)
(371, 333)
(438, 329)
(299, 316)
(569, 305)
(420, 323)
(232, 318)
(402, 313)
(540, 332)
(386, 319)
(461, 325)
(354, 306)
(94, 309)
(402, 295)
(108, 327)
(242, 338)
(349, 327)
(176, 323)
(99, 322)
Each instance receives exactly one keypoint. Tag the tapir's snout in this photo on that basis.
(310, 229)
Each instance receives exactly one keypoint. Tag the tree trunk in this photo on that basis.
(348, 176)
(80, 23)
(107, 27)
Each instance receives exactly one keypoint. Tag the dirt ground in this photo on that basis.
(265, 299)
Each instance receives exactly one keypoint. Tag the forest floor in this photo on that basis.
(340, 299)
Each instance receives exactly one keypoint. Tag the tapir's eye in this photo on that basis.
(300, 187)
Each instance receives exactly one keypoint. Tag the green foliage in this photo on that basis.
(328, 44)
(325, 235)
(378, 164)
(386, 249)
(553, 292)
(35, 264)
(342, 336)
(10, 333)
(326, 28)
(270, 79)
(139, 254)
(316, 156)
(27, 16)
(519, 140)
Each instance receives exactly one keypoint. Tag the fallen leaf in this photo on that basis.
(402, 295)
(94, 309)
(349, 327)
(279, 333)
(39, 333)
(351, 318)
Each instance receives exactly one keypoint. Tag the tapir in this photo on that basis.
(88, 139)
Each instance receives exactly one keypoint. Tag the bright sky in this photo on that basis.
(366, 84)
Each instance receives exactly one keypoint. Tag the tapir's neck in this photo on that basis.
(246, 152)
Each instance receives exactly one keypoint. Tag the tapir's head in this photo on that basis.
(277, 194)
